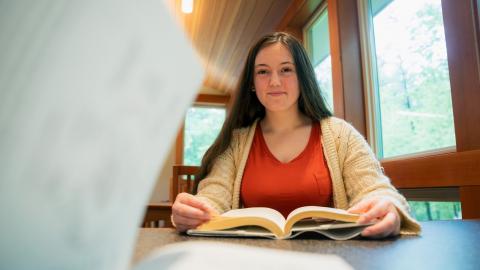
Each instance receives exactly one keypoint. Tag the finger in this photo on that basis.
(192, 204)
(378, 210)
(383, 228)
(361, 207)
(197, 203)
(212, 211)
(193, 220)
(189, 211)
(187, 222)
(183, 224)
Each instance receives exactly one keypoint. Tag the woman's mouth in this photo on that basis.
(275, 94)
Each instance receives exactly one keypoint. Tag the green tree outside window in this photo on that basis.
(202, 126)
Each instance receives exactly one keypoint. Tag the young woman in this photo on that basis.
(281, 148)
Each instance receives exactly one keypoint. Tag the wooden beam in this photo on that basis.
(454, 169)
(336, 58)
(348, 92)
(212, 99)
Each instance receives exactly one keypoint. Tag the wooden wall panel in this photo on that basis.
(470, 198)
(461, 33)
(348, 95)
(336, 57)
(443, 170)
(352, 66)
(297, 16)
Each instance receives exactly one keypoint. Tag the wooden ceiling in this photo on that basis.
(222, 32)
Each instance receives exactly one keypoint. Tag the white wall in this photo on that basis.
(161, 191)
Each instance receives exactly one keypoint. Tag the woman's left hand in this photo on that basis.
(381, 209)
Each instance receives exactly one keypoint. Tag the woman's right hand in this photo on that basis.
(188, 212)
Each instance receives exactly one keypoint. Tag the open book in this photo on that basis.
(334, 223)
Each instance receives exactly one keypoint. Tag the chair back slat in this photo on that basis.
(183, 179)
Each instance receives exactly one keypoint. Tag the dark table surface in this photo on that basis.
(442, 245)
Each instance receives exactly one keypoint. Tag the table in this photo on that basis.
(443, 245)
(156, 213)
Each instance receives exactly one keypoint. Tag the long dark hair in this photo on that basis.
(247, 108)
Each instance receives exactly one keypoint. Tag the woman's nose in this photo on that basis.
(274, 79)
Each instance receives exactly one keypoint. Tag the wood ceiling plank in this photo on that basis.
(245, 35)
(222, 32)
(270, 18)
(222, 48)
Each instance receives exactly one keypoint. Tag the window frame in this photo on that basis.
(306, 41)
(370, 76)
(202, 100)
(452, 167)
(371, 86)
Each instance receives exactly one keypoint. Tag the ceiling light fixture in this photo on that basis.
(187, 6)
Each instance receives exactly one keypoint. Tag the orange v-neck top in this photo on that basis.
(303, 181)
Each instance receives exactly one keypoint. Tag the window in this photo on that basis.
(412, 79)
(318, 46)
(406, 63)
(425, 211)
(202, 126)
(434, 203)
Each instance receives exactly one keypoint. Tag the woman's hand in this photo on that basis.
(381, 209)
(188, 212)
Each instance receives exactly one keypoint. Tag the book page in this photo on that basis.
(92, 94)
(314, 224)
(204, 255)
(334, 233)
(317, 208)
(242, 231)
(263, 212)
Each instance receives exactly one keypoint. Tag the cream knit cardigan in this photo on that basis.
(356, 174)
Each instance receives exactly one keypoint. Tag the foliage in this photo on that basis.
(323, 72)
(414, 86)
(202, 126)
(424, 211)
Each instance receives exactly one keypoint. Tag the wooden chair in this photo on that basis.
(158, 215)
(183, 180)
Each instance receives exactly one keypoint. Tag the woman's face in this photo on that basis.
(275, 78)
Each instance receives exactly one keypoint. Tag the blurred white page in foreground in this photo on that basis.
(206, 255)
(92, 93)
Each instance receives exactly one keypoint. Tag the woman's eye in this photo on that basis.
(287, 70)
(262, 72)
